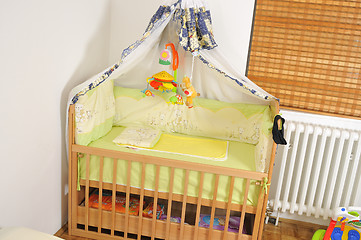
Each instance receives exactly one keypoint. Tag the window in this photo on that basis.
(308, 54)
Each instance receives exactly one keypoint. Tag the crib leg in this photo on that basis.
(73, 194)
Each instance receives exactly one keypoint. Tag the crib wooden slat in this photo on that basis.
(243, 214)
(274, 149)
(100, 201)
(199, 205)
(170, 200)
(127, 200)
(258, 216)
(155, 202)
(87, 192)
(184, 204)
(140, 221)
(73, 193)
(114, 194)
(215, 191)
(230, 196)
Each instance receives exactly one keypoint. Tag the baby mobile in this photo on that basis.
(165, 82)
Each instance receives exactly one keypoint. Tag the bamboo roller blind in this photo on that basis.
(308, 54)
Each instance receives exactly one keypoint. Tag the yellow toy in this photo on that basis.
(189, 91)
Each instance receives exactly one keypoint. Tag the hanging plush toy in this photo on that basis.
(189, 91)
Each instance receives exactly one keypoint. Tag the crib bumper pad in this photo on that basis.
(98, 111)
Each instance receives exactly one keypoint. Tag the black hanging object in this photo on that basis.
(278, 131)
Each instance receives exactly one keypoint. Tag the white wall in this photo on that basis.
(128, 22)
(232, 24)
(46, 48)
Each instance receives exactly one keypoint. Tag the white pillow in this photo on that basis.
(22, 233)
(138, 136)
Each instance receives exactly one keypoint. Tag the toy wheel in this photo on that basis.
(319, 234)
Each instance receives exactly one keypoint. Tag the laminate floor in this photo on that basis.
(286, 230)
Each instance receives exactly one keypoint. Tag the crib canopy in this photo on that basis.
(188, 25)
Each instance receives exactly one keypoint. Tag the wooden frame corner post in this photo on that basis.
(72, 174)
(270, 171)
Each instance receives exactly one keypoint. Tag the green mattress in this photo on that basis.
(240, 156)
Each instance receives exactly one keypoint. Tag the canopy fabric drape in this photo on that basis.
(196, 29)
(187, 24)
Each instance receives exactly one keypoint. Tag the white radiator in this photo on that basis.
(320, 168)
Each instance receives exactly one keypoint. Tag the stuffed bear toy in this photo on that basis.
(189, 91)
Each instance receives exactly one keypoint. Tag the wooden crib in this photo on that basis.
(97, 223)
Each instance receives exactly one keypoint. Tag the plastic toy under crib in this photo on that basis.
(345, 225)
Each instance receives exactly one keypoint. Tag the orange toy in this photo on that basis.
(120, 202)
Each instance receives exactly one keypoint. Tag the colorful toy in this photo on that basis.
(166, 56)
(189, 91)
(349, 220)
(163, 82)
(177, 99)
(173, 100)
(172, 219)
(148, 93)
(220, 222)
(120, 203)
(148, 211)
